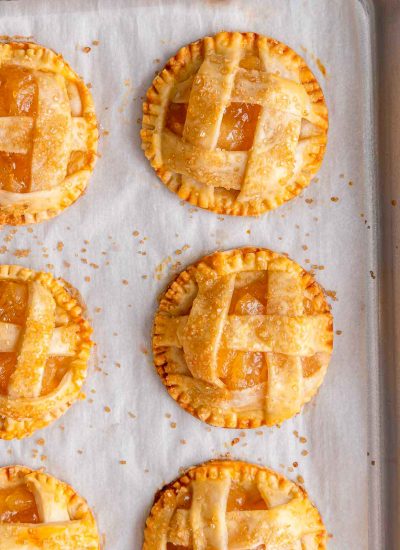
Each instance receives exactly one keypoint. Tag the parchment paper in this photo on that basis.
(128, 415)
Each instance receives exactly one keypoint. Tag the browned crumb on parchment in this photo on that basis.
(22, 252)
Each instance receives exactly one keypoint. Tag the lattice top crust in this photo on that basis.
(37, 511)
(48, 134)
(227, 505)
(235, 123)
(44, 350)
(243, 338)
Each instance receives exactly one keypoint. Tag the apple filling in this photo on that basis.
(18, 505)
(244, 369)
(13, 302)
(18, 97)
(237, 128)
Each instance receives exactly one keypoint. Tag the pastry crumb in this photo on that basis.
(332, 294)
(22, 253)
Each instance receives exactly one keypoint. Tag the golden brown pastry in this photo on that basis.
(44, 349)
(48, 134)
(39, 512)
(235, 123)
(227, 505)
(243, 338)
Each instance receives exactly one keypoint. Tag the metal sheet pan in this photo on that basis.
(386, 384)
(352, 471)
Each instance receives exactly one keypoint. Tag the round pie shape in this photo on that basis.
(37, 511)
(44, 349)
(235, 123)
(228, 505)
(243, 338)
(48, 134)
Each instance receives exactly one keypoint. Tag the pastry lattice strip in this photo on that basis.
(49, 137)
(272, 160)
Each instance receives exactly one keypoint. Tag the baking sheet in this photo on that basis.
(121, 242)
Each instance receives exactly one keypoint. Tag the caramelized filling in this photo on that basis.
(17, 92)
(310, 365)
(238, 126)
(18, 97)
(250, 299)
(7, 366)
(55, 369)
(171, 546)
(243, 369)
(245, 498)
(237, 129)
(13, 300)
(17, 505)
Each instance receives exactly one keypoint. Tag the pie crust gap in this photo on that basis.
(37, 511)
(44, 350)
(48, 134)
(229, 505)
(243, 338)
(235, 123)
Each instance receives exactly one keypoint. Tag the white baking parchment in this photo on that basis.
(120, 243)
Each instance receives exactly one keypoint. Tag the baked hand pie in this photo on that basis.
(39, 512)
(44, 349)
(228, 505)
(243, 338)
(235, 123)
(48, 134)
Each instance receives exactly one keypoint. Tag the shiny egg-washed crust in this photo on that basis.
(34, 207)
(56, 497)
(202, 400)
(158, 523)
(20, 417)
(182, 65)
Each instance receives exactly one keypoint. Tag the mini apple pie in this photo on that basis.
(235, 123)
(48, 134)
(44, 349)
(243, 338)
(38, 512)
(228, 505)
